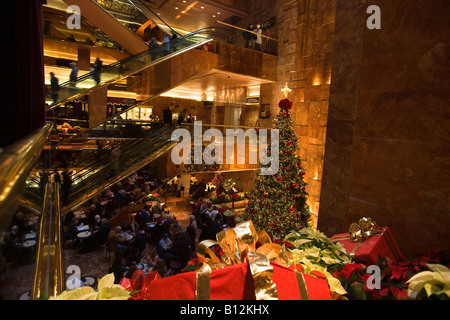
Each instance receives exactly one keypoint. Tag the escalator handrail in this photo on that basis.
(48, 277)
(211, 31)
(16, 163)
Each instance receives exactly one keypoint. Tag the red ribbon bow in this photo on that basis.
(140, 283)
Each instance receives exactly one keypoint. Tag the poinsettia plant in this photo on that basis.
(398, 281)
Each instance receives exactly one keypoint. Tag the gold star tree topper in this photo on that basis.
(286, 90)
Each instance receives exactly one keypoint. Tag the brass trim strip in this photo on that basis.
(202, 285)
(302, 286)
(16, 163)
(48, 277)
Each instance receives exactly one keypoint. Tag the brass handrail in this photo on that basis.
(48, 278)
(249, 31)
(16, 163)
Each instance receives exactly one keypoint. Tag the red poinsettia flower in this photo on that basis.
(399, 273)
(349, 269)
(398, 292)
(378, 294)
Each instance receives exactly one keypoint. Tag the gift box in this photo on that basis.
(236, 282)
(368, 249)
(240, 270)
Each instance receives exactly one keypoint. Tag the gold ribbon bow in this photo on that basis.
(364, 229)
(239, 245)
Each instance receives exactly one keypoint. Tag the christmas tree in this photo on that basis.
(277, 203)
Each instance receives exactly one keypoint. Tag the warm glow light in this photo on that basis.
(316, 81)
(184, 94)
(254, 91)
(193, 4)
(121, 94)
(286, 90)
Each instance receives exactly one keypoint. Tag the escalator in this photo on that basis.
(117, 19)
(94, 172)
(68, 91)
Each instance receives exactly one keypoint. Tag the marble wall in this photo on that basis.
(305, 32)
(387, 147)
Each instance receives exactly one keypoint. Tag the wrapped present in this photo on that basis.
(236, 282)
(365, 241)
(243, 272)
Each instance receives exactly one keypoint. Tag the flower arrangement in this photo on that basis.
(67, 128)
(152, 197)
(225, 198)
(264, 114)
(313, 252)
(106, 290)
(429, 284)
(421, 278)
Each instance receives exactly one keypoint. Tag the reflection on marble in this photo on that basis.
(387, 152)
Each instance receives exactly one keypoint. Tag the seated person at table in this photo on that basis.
(151, 258)
(10, 240)
(164, 247)
(68, 218)
(19, 220)
(117, 241)
(174, 228)
(158, 207)
(145, 213)
(72, 231)
(213, 213)
(97, 223)
(182, 249)
(161, 268)
(126, 227)
(101, 234)
(215, 227)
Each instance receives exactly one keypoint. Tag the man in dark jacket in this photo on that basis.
(167, 116)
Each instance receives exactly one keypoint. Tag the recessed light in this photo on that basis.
(218, 12)
(214, 16)
(176, 8)
(202, 7)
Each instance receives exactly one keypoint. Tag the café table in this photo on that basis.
(29, 236)
(84, 234)
(83, 227)
(156, 216)
(29, 243)
(89, 281)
